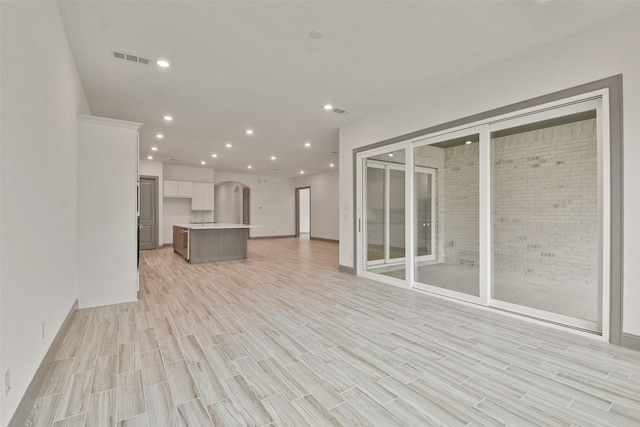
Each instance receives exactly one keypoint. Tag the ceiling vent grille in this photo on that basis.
(131, 58)
(339, 111)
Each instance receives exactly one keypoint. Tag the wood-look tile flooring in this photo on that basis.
(284, 339)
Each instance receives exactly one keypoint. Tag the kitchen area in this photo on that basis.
(186, 220)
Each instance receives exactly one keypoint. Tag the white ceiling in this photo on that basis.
(238, 65)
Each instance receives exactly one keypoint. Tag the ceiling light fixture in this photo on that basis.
(273, 157)
(162, 63)
(249, 167)
(150, 157)
(302, 172)
(168, 118)
(390, 154)
(159, 136)
(249, 132)
(154, 148)
(328, 107)
(331, 165)
(307, 144)
(203, 162)
(468, 142)
(228, 145)
(214, 155)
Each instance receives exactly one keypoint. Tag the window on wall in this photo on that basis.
(507, 213)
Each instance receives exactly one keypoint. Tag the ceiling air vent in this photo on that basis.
(131, 58)
(339, 111)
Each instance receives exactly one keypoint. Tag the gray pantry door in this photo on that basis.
(148, 213)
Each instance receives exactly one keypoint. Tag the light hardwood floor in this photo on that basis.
(284, 339)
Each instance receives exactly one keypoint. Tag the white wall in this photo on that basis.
(324, 203)
(305, 211)
(154, 168)
(597, 53)
(41, 95)
(178, 211)
(272, 203)
(187, 173)
(107, 221)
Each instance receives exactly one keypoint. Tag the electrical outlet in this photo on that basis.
(7, 382)
(43, 329)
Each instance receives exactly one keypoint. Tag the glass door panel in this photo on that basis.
(446, 206)
(545, 219)
(396, 214)
(424, 182)
(384, 234)
(375, 218)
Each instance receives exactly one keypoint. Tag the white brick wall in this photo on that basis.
(461, 205)
(544, 203)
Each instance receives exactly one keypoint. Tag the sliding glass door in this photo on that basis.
(546, 215)
(384, 214)
(510, 213)
(446, 204)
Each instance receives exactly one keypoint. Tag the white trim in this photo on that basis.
(586, 325)
(604, 217)
(109, 122)
(409, 219)
(484, 223)
(447, 293)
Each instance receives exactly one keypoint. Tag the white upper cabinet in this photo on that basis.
(179, 189)
(185, 189)
(202, 196)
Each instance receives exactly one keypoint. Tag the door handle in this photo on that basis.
(359, 225)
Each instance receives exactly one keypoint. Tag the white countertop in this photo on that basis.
(213, 226)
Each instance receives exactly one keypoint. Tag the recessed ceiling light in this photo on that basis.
(228, 145)
(214, 155)
(273, 157)
(154, 148)
(249, 167)
(307, 144)
(316, 34)
(249, 132)
(328, 107)
(203, 162)
(168, 118)
(150, 157)
(159, 136)
(390, 154)
(162, 63)
(331, 165)
(468, 142)
(302, 172)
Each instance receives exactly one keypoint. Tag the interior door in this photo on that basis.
(148, 213)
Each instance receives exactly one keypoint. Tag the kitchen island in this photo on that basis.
(209, 242)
